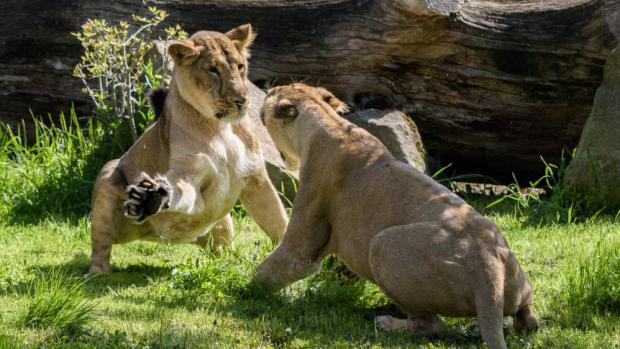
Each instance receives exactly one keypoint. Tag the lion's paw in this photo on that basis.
(146, 198)
(384, 322)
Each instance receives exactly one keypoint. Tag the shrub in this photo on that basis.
(116, 66)
(57, 301)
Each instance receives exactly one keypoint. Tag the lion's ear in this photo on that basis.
(184, 52)
(242, 36)
(339, 106)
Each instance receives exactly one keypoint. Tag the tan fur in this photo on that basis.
(185, 174)
(428, 250)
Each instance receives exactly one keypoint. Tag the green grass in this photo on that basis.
(163, 296)
(160, 295)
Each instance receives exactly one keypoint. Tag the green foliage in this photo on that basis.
(116, 66)
(549, 201)
(590, 197)
(7, 342)
(52, 168)
(57, 301)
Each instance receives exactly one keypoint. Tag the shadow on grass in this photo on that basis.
(136, 275)
(325, 314)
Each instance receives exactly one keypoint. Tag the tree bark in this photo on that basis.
(492, 84)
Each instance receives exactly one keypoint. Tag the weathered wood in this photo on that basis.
(492, 84)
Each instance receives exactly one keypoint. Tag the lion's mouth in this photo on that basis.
(234, 112)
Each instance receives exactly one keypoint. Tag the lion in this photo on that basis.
(180, 180)
(429, 251)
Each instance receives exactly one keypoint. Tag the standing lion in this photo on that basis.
(180, 180)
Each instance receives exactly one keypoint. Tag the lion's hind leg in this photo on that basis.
(220, 235)
(108, 196)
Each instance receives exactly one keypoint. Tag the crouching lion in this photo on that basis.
(180, 180)
(430, 252)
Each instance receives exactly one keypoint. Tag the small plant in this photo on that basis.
(57, 302)
(450, 180)
(547, 199)
(116, 67)
(521, 197)
(594, 284)
(221, 277)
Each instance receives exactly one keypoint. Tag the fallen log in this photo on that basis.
(492, 84)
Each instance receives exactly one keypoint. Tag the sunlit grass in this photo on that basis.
(163, 296)
(58, 302)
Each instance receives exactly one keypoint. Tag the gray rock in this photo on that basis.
(595, 169)
(612, 15)
(397, 131)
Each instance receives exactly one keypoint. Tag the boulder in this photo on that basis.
(594, 172)
(397, 131)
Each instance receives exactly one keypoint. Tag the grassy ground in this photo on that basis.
(180, 296)
(162, 296)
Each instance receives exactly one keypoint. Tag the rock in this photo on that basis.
(397, 131)
(594, 172)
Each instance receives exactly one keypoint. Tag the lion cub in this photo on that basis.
(429, 251)
(180, 180)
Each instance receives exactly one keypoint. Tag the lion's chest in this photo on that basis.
(221, 167)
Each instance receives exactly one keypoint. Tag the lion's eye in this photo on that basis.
(214, 71)
(241, 67)
(285, 110)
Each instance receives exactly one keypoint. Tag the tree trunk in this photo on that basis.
(492, 84)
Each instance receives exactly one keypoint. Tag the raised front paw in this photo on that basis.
(147, 197)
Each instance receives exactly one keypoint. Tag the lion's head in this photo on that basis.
(287, 108)
(210, 71)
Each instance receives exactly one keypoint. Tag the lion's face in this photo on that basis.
(211, 69)
(286, 106)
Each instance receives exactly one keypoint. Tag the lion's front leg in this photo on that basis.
(282, 268)
(262, 202)
(147, 197)
(175, 191)
(301, 250)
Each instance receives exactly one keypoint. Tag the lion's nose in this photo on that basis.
(240, 101)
